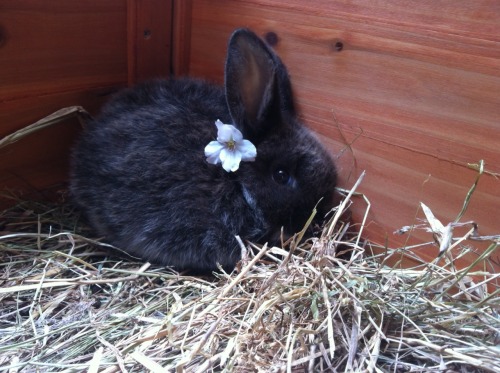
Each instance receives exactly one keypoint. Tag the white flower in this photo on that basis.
(230, 148)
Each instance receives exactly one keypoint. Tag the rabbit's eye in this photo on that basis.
(281, 176)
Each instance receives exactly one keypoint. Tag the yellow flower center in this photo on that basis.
(231, 144)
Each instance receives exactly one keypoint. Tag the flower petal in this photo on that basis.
(228, 132)
(230, 160)
(212, 152)
(218, 123)
(236, 133)
(248, 150)
(223, 134)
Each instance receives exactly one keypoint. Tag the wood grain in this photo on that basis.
(40, 161)
(149, 40)
(55, 54)
(54, 45)
(181, 38)
(411, 95)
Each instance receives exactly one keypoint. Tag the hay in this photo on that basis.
(72, 304)
(61, 115)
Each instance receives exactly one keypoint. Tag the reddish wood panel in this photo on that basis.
(407, 91)
(40, 161)
(55, 45)
(55, 54)
(149, 39)
(181, 36)
(26, 177)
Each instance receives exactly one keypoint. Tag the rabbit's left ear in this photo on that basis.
(258, 90)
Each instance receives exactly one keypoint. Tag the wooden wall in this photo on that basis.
(55, 54)
(408, 91)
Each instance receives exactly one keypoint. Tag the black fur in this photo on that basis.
(140, 175)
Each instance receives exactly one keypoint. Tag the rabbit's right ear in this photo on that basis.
(256, 84)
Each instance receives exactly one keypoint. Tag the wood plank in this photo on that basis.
(40, 161)
(52, 45)
(149, 39)
(16, 114)
(181, 37)
(415, 85)
(56, 54)
(45, 166)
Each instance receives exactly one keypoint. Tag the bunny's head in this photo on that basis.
(292, 172)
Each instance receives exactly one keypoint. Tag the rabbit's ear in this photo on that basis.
(257, 86)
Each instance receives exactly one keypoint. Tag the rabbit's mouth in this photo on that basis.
(279, 235)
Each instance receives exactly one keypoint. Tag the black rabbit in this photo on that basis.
(141, 177)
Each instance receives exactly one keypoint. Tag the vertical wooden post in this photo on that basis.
(181, 38)
(149, 34)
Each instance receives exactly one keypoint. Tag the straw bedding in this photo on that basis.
(71, 303)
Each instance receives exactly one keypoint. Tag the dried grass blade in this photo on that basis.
(56, 117)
